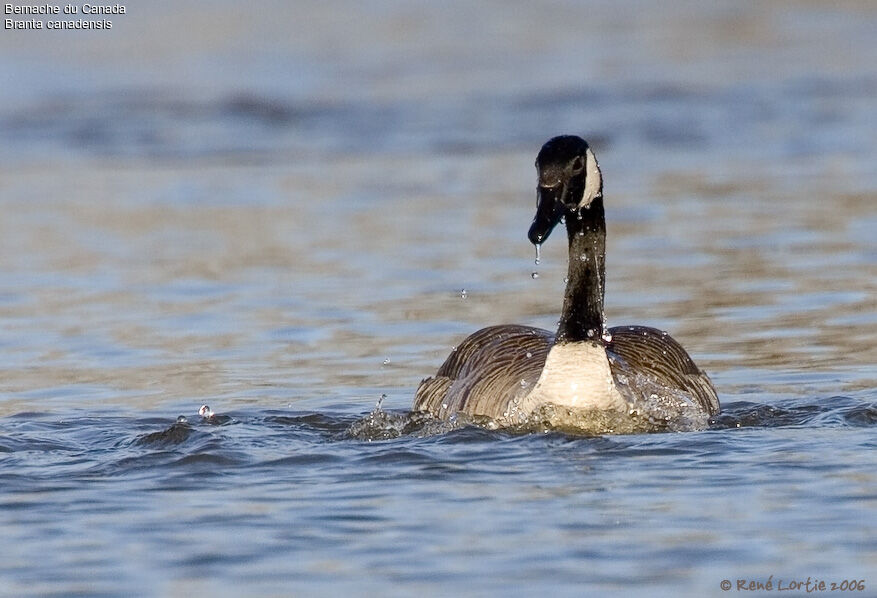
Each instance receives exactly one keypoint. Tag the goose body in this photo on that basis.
(509, 373)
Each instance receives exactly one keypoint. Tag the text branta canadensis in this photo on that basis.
(509, 373)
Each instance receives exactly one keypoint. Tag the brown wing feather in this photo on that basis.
(486, 372)
(653, 353)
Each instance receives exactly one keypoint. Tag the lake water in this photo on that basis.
(275, 211)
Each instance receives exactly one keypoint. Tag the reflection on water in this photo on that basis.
(276, 218)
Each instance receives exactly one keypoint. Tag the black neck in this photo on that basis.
(582, 317)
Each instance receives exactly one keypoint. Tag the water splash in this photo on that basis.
(387, 425)
(209, 417)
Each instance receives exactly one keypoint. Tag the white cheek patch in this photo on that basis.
(593, 180)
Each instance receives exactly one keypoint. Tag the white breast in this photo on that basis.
(577, 376)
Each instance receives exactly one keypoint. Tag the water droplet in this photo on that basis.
(607, 336)
(523, 384)
(454, 348)
(529, 355)
(387, 361)
(182, 420)
(563, 219)
(463, 293)
(444, 405)
(583, 257)
(538, 253)
(380, 402)
(205, 411)
(534, 275)
(591, 333)
(565, 279)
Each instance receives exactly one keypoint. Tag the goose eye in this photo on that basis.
(578, 164)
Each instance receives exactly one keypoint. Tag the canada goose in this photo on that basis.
(508, 373)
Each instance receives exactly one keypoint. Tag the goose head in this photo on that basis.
(569, 181)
